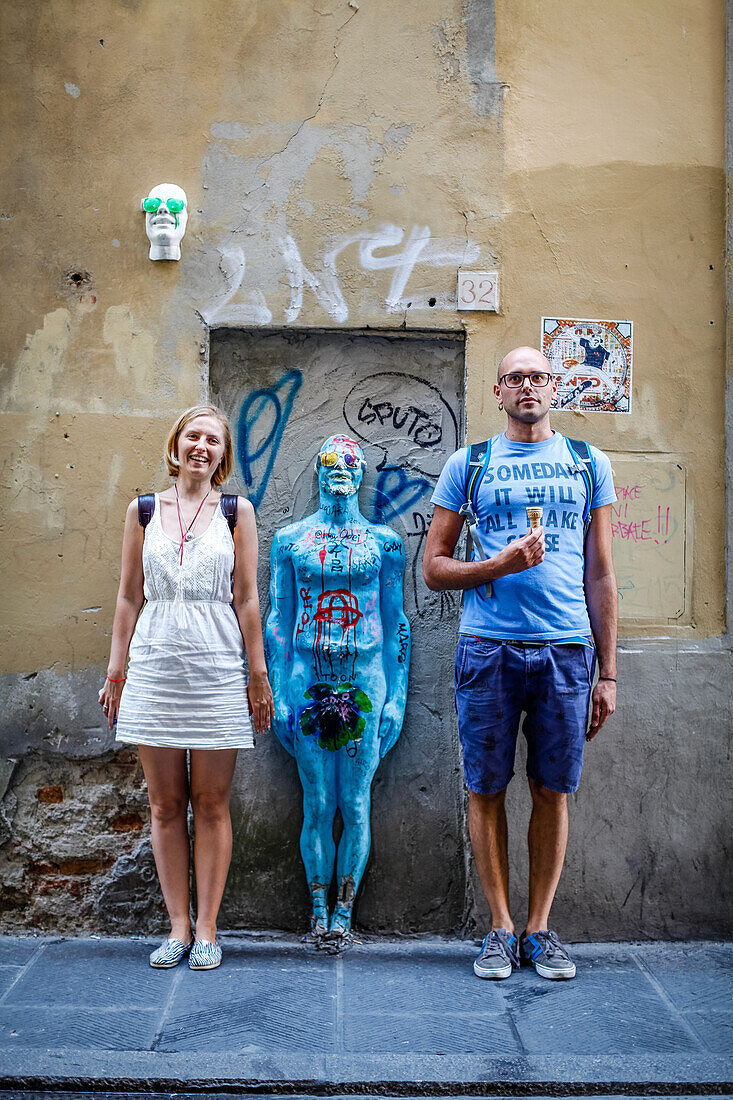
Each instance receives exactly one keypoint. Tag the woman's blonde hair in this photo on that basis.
(224, 469)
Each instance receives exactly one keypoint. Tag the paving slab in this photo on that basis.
(389, 1014)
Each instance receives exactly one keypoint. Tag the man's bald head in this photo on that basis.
(527, 359)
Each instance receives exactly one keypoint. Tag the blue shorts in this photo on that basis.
(494, 683)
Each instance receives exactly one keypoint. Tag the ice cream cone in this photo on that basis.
(534, 515)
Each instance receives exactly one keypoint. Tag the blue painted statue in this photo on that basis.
(338, 650)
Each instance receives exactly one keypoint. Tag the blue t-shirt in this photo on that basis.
(546, 602)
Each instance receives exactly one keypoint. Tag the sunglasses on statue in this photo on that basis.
(330, 458)
(152, 206)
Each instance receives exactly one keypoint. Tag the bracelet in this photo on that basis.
(609, 678)
(122, 681)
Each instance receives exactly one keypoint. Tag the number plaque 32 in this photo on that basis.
(478, 290)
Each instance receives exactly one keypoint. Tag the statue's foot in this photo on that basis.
(339, 935)
(340, 922)
(319, 925)
(319, 914)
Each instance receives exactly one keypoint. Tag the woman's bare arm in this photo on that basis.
(247, 608)
(129, 601)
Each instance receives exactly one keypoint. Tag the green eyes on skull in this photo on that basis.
(174, 206)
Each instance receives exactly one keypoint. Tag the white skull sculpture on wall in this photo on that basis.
(166, 214)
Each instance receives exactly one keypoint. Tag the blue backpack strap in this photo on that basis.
(229, 506)
(477, 463)
(145, 508)
(586, 467)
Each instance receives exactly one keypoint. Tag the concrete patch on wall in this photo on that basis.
(53, 712)
(298, 223)
(401, 396)
(652, 809)
(481, 60)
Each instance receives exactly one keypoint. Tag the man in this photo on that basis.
(338, 650)
(525, 644)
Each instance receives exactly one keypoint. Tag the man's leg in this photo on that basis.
(488, 830)
(547, 839)
(560, 681)
(489, 682)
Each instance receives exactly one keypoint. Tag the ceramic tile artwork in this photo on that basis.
(592, 360)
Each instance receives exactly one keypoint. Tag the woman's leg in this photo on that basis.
(165, 773)
(212, 772)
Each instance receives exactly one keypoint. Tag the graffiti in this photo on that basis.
(327, 291)
(396, 493)
(377, 413)
(652, 528)
(262, 421)
(403, 639)
(307, 607)
(339, 607)
(252, 311)
(336, 717)
(649, 537)
(421, 429)
(417, 247)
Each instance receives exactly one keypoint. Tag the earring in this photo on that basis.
(501, 406)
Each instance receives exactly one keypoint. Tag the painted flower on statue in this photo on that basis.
(336, 716)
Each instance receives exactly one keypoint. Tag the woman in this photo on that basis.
(185, 687)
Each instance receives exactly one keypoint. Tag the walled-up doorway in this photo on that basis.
(401, 395)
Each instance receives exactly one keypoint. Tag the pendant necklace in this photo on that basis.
(186, 535)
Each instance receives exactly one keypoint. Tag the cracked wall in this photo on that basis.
(342, 159)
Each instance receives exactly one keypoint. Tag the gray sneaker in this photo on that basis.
(499, 955)
(547, 955)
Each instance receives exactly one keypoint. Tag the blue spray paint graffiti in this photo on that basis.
(397, 493)
(262, 421)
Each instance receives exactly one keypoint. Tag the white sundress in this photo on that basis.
(186, 678)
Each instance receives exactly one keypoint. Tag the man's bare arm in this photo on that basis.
(442, 571)
(601, 595)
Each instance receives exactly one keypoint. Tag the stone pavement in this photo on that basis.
(400, 1017)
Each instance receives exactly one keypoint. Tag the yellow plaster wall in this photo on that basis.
(614, 208)
(599, 194)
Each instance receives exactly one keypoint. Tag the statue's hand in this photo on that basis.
(284, 726)
(390, 727)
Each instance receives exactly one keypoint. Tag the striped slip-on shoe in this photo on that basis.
(169, 954)
(204, 956)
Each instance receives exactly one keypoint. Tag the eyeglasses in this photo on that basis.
(538, 379)
(152, 206)
(330, 458)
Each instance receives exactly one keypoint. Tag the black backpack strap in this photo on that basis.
(229, 506)
(586, 467)
(145, 508)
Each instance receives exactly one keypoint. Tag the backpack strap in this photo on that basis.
(477, 463)
(229, 506)
(145, 508)
(586, 467)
